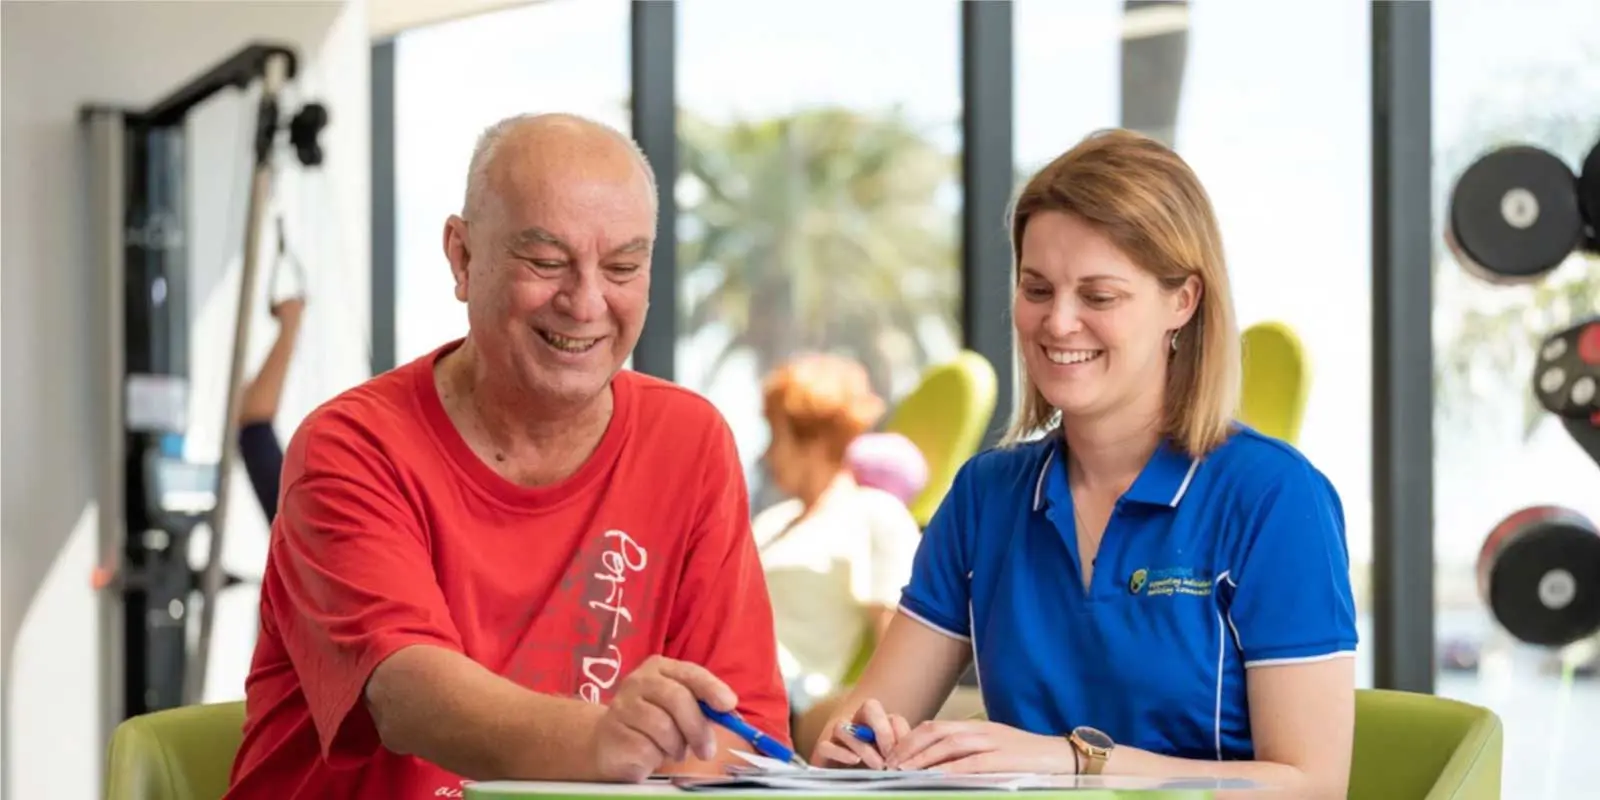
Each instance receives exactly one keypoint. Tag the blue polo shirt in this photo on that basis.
(1207, 567)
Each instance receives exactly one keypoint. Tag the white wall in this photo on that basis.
(57, 56)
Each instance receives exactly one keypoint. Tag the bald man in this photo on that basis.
(511, 558)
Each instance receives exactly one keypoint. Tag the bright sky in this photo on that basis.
(1275, 118)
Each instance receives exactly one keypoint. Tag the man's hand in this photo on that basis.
(980, 746)
(655, 719)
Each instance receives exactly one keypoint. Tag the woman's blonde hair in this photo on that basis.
(1148, 202)
(820, 397)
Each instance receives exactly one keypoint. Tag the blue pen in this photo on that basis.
(764, 744)
(862, 733)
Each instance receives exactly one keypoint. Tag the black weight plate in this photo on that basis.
(1589, 195)
(1566, 373)
(1514, 215)
(1544, 586)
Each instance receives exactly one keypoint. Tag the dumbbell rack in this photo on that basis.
(1515, 215)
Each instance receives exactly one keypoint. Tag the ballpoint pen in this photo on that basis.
(863, 733)
(764, 744)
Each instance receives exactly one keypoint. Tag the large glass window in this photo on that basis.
(1504, 73)
(1270, 103)
(819, 196)
(454, 79)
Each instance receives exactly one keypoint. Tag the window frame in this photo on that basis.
(1402, 295)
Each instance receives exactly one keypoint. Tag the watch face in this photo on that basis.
(1094, 738)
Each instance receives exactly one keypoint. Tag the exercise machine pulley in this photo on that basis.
(1515, 215)
(152, 499)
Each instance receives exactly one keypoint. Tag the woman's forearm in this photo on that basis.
(912, 670)
(1277, 779)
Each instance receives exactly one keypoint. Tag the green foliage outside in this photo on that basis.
(817, 230)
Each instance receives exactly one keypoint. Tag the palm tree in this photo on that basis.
(817, 230)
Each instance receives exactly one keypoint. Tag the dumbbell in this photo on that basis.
(1539, 574)
(1518, 212)
(1566, 381)
(1539, 569)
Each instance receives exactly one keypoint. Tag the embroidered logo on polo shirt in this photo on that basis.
(1168, 581)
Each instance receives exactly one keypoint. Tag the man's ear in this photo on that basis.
(458, 253)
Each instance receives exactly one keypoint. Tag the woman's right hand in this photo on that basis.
(839, 748)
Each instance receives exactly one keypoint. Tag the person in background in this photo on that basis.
(836, 554)
(259, 448)
(1148, 587)
(511, 558)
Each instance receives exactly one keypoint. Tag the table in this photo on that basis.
(1072, 788)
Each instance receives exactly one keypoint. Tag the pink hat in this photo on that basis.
(888, 462)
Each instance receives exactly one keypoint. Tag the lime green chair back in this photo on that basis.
(183, 753)
(1276, 381)
(946, 417)
(1421, 747)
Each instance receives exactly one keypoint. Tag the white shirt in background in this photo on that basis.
(855, 550)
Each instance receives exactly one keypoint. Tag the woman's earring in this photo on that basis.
(1174, 341)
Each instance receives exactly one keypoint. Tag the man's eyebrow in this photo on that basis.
(638, 244)
(537, 235)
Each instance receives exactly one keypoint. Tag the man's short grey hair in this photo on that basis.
(493, 136)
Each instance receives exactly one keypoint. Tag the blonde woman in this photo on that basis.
(1148, 587)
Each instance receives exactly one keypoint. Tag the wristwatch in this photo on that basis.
(1094, 748)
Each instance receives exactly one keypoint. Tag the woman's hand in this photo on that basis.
(839, 748)
(980, 746)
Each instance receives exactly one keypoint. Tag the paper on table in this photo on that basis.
(761, 766)
(800, 782)
(764, 767)
(767, 773)
(771, 774)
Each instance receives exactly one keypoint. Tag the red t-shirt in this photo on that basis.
(392, 532)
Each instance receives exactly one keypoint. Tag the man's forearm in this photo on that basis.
(447, 709)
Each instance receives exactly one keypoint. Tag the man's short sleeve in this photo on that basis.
(722, 618)
(1291, 599)
(349, 583)
(940, 587)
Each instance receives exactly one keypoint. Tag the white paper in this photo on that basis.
(771, 774)
(772, 767)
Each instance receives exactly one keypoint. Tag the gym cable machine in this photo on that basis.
(151, 498)
(1515, 215)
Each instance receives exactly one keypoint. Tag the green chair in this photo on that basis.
(183, 753)
(946, 417)
(1421, 747)
(1276, 381)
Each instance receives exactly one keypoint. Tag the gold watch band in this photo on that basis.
(1097, 762)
